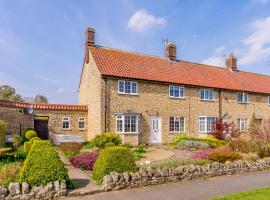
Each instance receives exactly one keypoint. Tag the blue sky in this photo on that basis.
(42, 42)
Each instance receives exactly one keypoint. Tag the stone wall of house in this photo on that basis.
(55, 121)
(90, 93)
(16, 120)
(144, 177)
(153, 100)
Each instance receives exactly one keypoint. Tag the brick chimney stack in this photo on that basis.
(90, 36)
(231, 62)
(170, 51)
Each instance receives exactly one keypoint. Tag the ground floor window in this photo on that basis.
(65, 123)
(177, 124)
(81, 123)
(206, 124)
(127, 123)
(242, 124)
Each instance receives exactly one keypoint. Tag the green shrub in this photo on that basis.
(212, 142)
(128, 145)
(27, 145)
(3, 131)
(224, 156)
(42, 165)
(17, 140)
(88, 145)
(109, 144)
(193, 145)
(113, 159)
(101, 140)
(10, 173)
(30, 134)
(264, 151)
(245, 145)
(28, 129)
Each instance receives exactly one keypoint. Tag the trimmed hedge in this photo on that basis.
(27, 145)
(3, 131)
(113, 159)
(42, 165)
(30, 134)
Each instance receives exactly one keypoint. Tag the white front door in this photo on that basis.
(155, 129)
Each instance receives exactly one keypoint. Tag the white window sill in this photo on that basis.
(65, 129)
(177, 97)
(242, 102)
(130, 133)
(128, 94)
(82, 129)
(209, 100)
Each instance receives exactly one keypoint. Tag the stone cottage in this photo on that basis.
(148, 99)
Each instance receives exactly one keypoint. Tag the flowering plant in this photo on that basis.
(85, 161)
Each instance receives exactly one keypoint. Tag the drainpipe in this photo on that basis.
(105, 104)
(219, 104)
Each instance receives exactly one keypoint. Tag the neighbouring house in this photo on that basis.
(148, 99)
(59, 122)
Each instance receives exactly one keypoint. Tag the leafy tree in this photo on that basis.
(9, 93)
(253, 129)
(41, 99)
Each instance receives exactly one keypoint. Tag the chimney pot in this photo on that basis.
(90, 36)
(231, 62)
(170, 51)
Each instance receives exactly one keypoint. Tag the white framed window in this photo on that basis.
(176, 91)
(81, 122)
(206, 94)
(242, 124)
(177, 124)
(242, 97)
(207, 124)
(127, 123)
(269, 100)
(65, 123)
(127, 87)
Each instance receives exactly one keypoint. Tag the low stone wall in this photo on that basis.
(149, 176)
(53, 190)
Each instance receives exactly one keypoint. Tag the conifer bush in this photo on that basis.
(42, 165)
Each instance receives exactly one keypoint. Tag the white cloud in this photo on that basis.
(260, 1)
(257, 44)
(255, 49)
(142, 20)
(215, 61)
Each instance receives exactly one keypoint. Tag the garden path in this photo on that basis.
(81, 179)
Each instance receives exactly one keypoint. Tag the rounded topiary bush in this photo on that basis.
(42, 165)
(3, 130)
(113, 159)
(101, 140)
(30, 134)
(27, 145)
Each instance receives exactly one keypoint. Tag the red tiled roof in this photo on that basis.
(40, 106)
(118, 63)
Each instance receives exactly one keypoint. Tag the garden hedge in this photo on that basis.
(101, 140)
(42, 165)
(3, 130)
(30, 134)
(113, 159)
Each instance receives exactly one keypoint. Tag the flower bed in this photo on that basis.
(84, 161)
(206, 153)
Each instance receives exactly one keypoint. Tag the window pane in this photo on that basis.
(133, 124)
(171, 124)
(182, 124)
(171, 91)
(121, 86)
(176, 124)
(81, 124)
(202, 94)
(127, 87)
(181, 92)
(210, 94)
(119, 124)
(134, 88)
(202, 123)
(127, 123)
(176, 91)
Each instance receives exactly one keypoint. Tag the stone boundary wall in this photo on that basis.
(149, 176)
(53, 190)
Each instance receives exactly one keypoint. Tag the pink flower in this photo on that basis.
(205, 153)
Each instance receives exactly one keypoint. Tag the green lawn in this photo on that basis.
(258, 194)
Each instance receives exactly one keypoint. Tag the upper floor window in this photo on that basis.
(176, 91)
(207, 124)
(127, 123)
(268, 100)
(65, 123)
(127, 87)
(242, 97)
(81, 123)
(242, 124)
(177, 124)
(206, 94)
